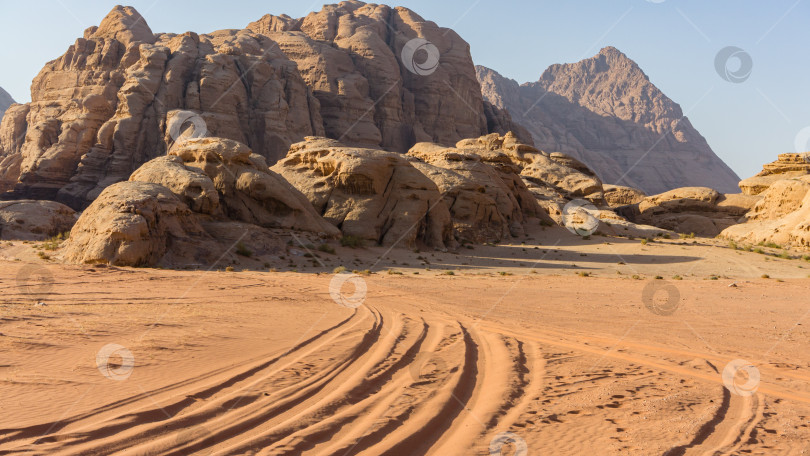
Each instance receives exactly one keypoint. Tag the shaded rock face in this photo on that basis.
(98, 112)
(698, 210)
(782, 216)
(786, 166)
(481, 185)
(605, 112)
(5, 102)
(34, 220)
(371, 194)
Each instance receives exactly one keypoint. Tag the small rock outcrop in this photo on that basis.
(786, 166)
(34, 220)
(782, 216)
(618, 195)
(137, 224)
(698, 210)
(371, 194)
(605, 112)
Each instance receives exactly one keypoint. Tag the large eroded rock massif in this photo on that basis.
(100, 110)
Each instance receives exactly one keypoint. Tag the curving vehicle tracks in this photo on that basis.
(398, 378)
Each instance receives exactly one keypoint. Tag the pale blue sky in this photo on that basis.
(674, 41)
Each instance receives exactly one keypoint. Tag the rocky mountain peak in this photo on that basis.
(124, 24)
(606, 112)
(5, 101)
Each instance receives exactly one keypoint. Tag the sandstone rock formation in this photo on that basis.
(194, 188)
(782, 216)
(698, 210)
(137, 224)
(786, 166)
(351, 56)
(5, 102)
(605, 112)
(34, 220)
(192, 207)
(247, 189)
(370, 194)
(618, 195)
(100, 111)
(482, 188)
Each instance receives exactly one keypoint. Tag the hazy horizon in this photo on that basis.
(675, 42)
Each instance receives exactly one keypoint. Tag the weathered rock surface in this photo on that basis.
(618, 195)
(351, 56)
(191, 208)
(371, 194)
(99, 111)
(245, 188)
(34, 220)
(5, 102)
(481, 184)
(605, 112)
(698, 210)
(785, 167)
(782, 216)
(137, 224)
(194, 188)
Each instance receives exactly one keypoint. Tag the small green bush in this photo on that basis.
(326, 248)
(351, 241)
(242, 250)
